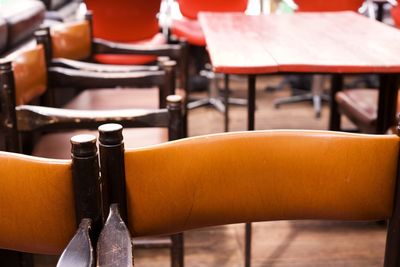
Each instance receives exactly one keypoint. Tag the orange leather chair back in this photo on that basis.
(124, 20)
(327, 5)
(72, 41)
(30, 74)
(36, 204)
(190, 8)
(395, 11)
(260, 176)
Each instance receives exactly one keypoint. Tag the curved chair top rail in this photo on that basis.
(260, 176)
(36, 204)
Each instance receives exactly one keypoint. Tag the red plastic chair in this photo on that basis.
(395, 11)
(127, 21)
(189, 28)
(327, 5)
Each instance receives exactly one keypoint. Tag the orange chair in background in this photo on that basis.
(126, 21)
(395, 12)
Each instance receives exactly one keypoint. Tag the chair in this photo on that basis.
(316, 95)
(67, 43)
(131, 22)
(189, 29)
(44, 200)
(228, 178)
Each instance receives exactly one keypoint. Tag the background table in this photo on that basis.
(320, 43)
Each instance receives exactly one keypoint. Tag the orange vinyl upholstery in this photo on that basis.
(189, 28)
(126, 21)
(30, 74)
(395, 12)
(72, 41)
(259, 176)
(36, 204)
(324, 5)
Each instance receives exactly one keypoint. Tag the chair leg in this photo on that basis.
(247, 252)
(177, 250)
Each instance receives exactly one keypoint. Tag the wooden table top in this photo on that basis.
(330, 42)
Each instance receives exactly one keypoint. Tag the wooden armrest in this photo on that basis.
(64, 77)
(79, 251)
(114, 247)
(85, 66)
(101, 46)
(31, 118)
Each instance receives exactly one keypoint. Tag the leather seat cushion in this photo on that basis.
(3, 35)
(133, 59)
(360, 106)
(118, 98)
(190, 30)
(57, 145)
(23, 18)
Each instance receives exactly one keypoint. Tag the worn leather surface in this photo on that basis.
(30, 74)
(57, 145)
(36, 204)
(190, 30)
(157, 39)
(190, 8)
(3, 35)
(323, 5)
(71, 40)
(259, 176)
(23, 18)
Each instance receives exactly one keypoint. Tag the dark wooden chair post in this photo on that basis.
(7, 112)
(174, 106)
(170, 69)
(86, 182)
(112, 166)
(392, 255)
(176, 131)
(43, 37)
(89, 19)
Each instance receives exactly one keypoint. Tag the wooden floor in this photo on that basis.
(278, 244)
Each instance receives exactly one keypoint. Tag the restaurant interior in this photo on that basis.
(199, 133)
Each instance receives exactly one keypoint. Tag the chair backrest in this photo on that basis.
(395, 12)
(264, 176)
(323, 5)
(43, 200)
(190, 8)
(124, 20)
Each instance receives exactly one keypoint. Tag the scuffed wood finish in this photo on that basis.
(114, 247)
(333, 42)
(79, 252)
(66, 77)
(107, 47)
(80, 65)
(32, 118)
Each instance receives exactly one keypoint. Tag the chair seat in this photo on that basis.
(118, 98)
(57, 145)
(361, 107)
(133, 59)
(190, 30)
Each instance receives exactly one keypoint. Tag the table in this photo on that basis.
(334, 43)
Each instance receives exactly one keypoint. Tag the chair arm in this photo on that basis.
(30, 118)
(64, 77)
(101, 46)
(79, 65)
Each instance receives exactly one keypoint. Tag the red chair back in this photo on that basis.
(190, 8)
(328, 5)
(124, 20)
(395, 11)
